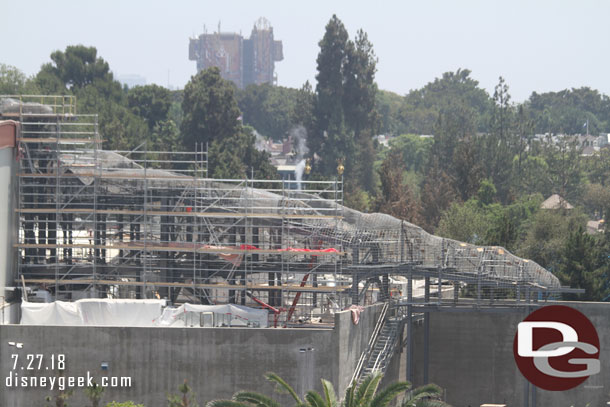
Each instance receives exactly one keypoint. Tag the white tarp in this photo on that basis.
(101, 311)
(191, 315)
(52, 313)
(120, 312)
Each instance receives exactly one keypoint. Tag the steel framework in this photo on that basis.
(152, 224)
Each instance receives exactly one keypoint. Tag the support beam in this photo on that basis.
(410, 327)
(426, 330)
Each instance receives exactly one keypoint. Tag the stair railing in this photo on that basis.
(367, 352)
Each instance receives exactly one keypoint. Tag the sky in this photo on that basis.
(536, 45)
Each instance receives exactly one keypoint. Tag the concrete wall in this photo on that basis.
(6, 218)
(9, 313)
(471, 357)
(216, 361)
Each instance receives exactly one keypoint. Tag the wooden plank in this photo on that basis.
(56, 140)
(170, 213)
(253, 287)
(154, 248)
(106, 175)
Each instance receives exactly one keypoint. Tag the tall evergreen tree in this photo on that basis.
(330, 140)
(361, 116)
(500, 144)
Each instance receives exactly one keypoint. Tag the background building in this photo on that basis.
(243, 61)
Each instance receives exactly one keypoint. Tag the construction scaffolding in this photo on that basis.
(141, 224)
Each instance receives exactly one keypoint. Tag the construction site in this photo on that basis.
(317, 290)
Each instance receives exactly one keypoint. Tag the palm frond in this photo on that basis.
(384, 397)
(314, 399)
(433, 403)
(428, 388)
(257, 399)
(368, 388)
(282, 385)
(425, 396)
(329, 393)
(225, 403)
(349, 396)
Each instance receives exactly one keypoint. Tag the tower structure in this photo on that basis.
(242, 61)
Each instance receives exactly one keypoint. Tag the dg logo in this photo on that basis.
(556, 348)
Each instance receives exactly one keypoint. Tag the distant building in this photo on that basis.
(556, 202)
(243, 61)
(595, 226)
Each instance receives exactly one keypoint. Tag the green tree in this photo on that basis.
(94, 394)
(546, 233)
(580, 266)
(361, 117)
(12, 80)
(389, 105)
(78, 66)
(210, 109)
(499, 143)
(367, 394)
(79, 71)
(506, 224)
(523, 146)
(428, 395)
(331, 140)
(358, 199)
(565, 171)
(236, 157)
(596, 200)
(150, 102)
(437, 195)
(482, 221)
(118, 126)
(303, 113)
(211, 116)
(456, 123)
(269, 109)
(467, 167)
(415, 151)
(186, 398)
(597, 167)
(60, 399)
(422, 107)
(534, 175)
(396, 198)
(568, 111)
(486, 194)
(465, 222)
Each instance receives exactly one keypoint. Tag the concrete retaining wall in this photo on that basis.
(7, 219)
(216, 361)
(471, 356)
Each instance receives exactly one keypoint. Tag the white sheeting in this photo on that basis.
(213, 315)
(53, 313)
(104, 312)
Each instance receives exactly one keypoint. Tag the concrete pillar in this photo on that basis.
(7, 227)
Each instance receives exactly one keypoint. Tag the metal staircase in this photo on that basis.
(381, 346)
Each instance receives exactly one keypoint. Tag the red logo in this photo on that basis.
(556, 348)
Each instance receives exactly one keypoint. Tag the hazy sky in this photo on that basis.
(536, 45)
